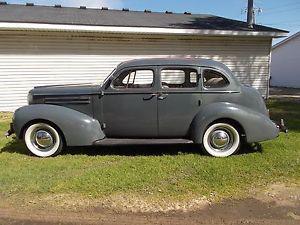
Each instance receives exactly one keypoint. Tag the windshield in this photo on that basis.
(107, 78)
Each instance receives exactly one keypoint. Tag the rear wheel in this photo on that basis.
(221, 140)
(43, 140)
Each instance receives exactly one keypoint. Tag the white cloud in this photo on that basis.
(116, 4)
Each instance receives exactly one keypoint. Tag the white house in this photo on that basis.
(43, 45)
(285, 71)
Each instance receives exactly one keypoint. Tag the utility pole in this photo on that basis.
(250, 14)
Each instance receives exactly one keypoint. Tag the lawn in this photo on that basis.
(175, 172)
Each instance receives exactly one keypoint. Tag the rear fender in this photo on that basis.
(78, 128)
(257, 126)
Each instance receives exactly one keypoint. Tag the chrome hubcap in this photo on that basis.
(43, 139)
(219, 139)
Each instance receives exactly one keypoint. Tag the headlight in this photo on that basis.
(29, 98)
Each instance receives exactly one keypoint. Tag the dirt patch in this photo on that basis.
(136, 204)
(279, 204)
(281, 195)
(120, 202)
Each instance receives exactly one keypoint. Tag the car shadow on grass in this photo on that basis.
(146, 149)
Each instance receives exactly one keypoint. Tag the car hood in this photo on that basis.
(67, 89)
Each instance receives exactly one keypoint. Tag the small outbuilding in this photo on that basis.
(44, 45)
(285, 70)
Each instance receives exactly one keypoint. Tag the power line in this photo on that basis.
(283, 6)
(287, 21)
(281, 11)
(285, 25)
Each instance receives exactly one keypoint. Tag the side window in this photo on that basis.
(179, 78)
(214, 79)
(134, 79)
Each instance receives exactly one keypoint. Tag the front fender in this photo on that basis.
(78, 129)
(257, 126)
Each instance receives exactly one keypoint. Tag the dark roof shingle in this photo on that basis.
(98, 17)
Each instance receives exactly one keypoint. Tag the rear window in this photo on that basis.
(214, 79)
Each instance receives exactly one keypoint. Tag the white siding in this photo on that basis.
(32, 59)
(285, 70)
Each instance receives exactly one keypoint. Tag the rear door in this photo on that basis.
(179, 99)
(130, 104)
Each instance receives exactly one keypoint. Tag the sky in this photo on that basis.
(275, 13)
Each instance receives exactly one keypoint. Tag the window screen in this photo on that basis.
(134, 79)
(214, 79)
(179, 78)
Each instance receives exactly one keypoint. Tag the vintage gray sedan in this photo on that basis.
(194, 99)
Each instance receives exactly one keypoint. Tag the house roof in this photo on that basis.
(286, 40)
(12, 13)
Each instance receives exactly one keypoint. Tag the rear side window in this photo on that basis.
(214, 79)
(141, 78)
(179, 78)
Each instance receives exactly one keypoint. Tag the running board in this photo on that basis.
(123, 141)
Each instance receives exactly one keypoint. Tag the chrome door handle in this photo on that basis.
(162, 96)
(149, 97)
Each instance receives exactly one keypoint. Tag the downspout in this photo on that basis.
(269, 69)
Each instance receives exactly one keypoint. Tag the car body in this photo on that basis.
(195, 99)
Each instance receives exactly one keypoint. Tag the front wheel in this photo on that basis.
(221, 140)
(43, 140)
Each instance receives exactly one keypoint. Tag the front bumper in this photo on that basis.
(281, 126)
(10, 131)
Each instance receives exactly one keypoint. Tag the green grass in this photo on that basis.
(156, 171)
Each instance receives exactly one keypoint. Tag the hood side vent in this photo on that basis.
(68, 100)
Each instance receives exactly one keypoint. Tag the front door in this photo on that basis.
(179, 100)
(130, 104)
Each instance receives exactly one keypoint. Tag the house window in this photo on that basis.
(179, 78)
(134, 79)
(214, 79)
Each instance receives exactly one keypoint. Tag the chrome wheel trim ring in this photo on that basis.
(39, 148)
(221, 151)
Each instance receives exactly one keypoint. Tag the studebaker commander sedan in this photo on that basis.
(195, 99)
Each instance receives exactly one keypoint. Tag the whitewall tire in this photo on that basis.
(43, 140)
(221, 140)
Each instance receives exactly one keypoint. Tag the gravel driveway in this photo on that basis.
(281, 92)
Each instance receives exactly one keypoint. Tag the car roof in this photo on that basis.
(173, 62)
(179, 62)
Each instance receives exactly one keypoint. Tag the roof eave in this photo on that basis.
(141, 30)
(286, 40)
